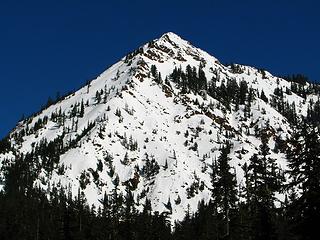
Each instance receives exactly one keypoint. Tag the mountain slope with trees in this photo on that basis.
(167, 138)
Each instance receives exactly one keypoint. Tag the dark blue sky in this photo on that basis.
(50, 46)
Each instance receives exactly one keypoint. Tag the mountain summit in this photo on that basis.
(154, 125)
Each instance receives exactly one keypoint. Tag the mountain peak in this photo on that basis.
(171, 35)
(172, 38)
(153, 122)
(170, 47)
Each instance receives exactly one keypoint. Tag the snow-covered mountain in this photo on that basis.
(137, 126)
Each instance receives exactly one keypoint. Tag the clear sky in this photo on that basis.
(57, 45)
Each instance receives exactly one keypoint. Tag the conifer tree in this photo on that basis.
(304, 162)
(227, 189)
(263, 96)
(262, 183)
(81, 109)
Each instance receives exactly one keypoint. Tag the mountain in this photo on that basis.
(155, 122)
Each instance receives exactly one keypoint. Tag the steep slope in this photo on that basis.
(135, 127)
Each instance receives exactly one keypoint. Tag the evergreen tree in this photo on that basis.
(81, 109)
(243, 92)
(262, 181)
(202, 82)
(226, 187)
(154, 71)
(263, 96)
(304, 163)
